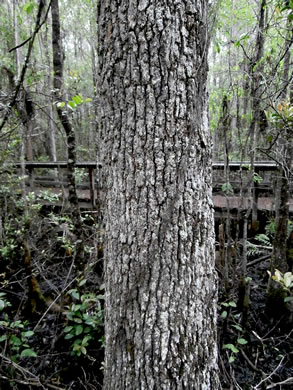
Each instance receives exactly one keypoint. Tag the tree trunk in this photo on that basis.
(256, 70)
(155, 148)
(70, 136)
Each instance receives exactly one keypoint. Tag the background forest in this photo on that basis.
(51, 233)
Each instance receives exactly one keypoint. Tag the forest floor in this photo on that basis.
(54, 339)
(264, 355)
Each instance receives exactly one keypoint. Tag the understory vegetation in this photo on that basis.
(51, 226)
(52, 314)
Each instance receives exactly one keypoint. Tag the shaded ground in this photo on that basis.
(64, 339)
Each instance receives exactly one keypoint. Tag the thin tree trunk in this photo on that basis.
(255, 71)
(70, 135)
(256, 93)
(282, 195)
(154, 144)
(52, 136)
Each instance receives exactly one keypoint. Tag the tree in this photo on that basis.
(155, 150)
(70, 134)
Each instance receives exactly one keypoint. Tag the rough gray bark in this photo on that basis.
(155, 149)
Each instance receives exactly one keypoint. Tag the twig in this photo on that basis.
(53, 303)
(259, 260)
(21, 44)
(287, 381)
(19, 368)
(251, 365)
(271, 374)
(29, 383)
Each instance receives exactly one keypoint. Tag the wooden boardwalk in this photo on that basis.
(39, 180)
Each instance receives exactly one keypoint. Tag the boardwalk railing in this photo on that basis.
(267, 169)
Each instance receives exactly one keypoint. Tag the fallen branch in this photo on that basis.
(269, 376)
(287, 381)
(30, 383)
(249, 362)
(259, 260)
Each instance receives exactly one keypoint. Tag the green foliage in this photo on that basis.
(80, 175)
(284, 280)
(283, 6)
(84, 320)
(227, 188)
(29, 7)
(76, 101)
(270, 228)
(257, 178)
(239, 341)
(263, 244)
(4, 303)
(264, 239)
(280, 115)
(16, 333)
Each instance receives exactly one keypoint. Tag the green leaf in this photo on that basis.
(28, 7)
(69, 315)
(71, 105)
(86, 339)
(83, 350)
(231, 359)
(69, 336)
(87, 100)
(224, 314)
(17, 324)
(78, 330)
(231, 347)
(29, 333)
(3, 338)
(232, 304)
(15, 340)
(75, 294)
(288, 299)
(89, 321)
(82, 282)
(257, 178)
(28, 353)
(241, 341)
(77, 99)
(60, 104)
(2, 304)
(68, 329)
(237, 327)
(227, 188)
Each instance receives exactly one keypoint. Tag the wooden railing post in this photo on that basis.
(92, 187)
(31, 177)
